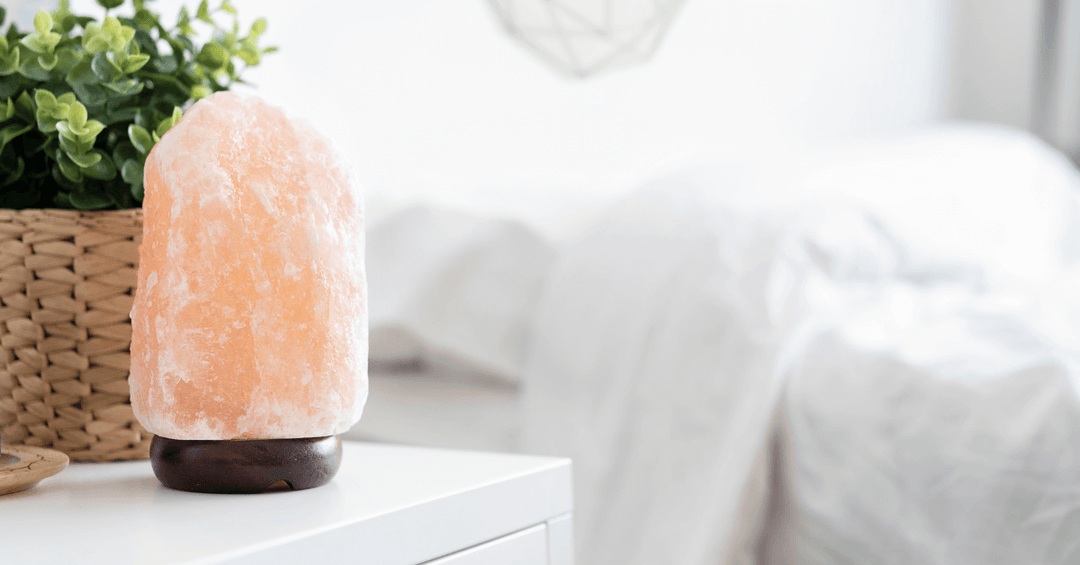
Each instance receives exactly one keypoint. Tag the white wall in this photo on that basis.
(431, 100)
(1067, 101)
(992, 60)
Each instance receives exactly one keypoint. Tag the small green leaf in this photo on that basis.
(145, 19)
(77, 116)
(73, 144)
(13, 85)
(9, 63)
(43, 22)
(90, 200)
(68, 168)
(48, 61)
(198, 92)
(184, 22)
(249, 58)
(103, 169)
(104, 69)
(213, 56)
(126, 87)
(140, 138)
(67, 59)
(24, 106)
(20, 167)
(46, 124)
(44, 98)
(82, 72)
(91, 94)
(66, 23)
(227, 7)
(85, 160)
(135, 62)
(132, 172)
(63, 8)
(12, 131)
(138, 191)
(91, 131)
(168, 123)
(203, 12)
(8, 111)
(109, 4)
(31, 68)
(95, 43)
(259, 27)
(69, 142)
(123, 39)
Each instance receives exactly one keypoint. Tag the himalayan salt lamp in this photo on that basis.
(249, 326)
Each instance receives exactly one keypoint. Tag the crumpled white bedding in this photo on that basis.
(936, 420)
(904, 308)
(956, 444)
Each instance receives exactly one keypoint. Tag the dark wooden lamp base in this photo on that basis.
(245, 466)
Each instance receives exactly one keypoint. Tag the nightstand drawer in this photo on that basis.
(527, 547)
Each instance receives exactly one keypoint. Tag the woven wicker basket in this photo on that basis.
(67, 281)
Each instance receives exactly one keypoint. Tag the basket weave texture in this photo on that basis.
(67, 282)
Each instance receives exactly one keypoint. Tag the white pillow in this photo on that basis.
(453, 289)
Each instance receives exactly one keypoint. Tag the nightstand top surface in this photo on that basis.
(388, 504)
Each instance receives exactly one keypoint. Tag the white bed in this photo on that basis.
(864, 355)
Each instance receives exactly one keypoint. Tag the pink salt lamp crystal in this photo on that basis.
(250, 320)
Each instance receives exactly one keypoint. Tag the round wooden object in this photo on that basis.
(245, 466)
(22, 466)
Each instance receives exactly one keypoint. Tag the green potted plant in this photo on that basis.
(82, 103)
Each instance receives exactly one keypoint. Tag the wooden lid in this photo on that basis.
(23, 466)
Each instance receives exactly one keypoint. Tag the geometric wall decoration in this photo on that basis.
(586, 37)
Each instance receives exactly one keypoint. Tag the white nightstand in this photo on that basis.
(388, 505)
